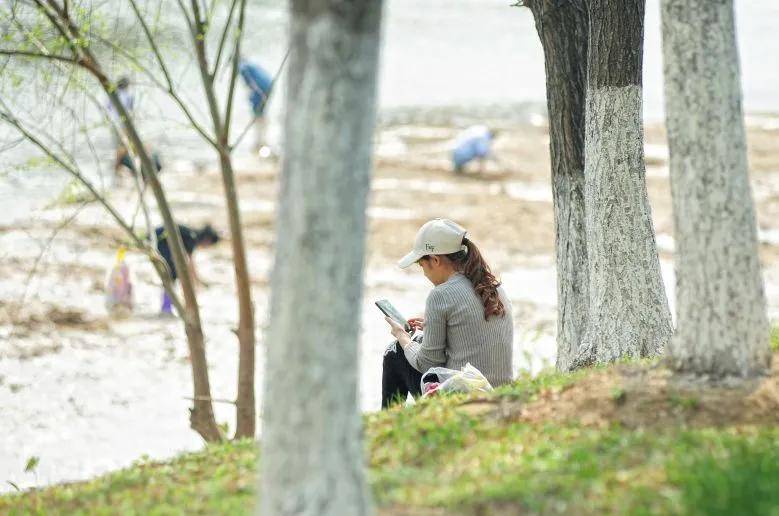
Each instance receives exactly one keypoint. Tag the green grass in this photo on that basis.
(218, 480)
(438, 455)
(683, 402)
(775, 338)
(732, 473)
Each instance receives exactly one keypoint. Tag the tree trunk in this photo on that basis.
(722, 328)
(202, 418)
(201, 414)
(628, 310)
(563, 32)
(246, 416)
(312, 457)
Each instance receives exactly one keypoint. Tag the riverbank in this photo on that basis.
(623, 439)
(116, 389)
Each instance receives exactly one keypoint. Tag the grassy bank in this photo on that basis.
(625, 439)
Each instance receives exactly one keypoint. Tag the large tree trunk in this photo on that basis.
(722, 327)
(628, 310)
(563, 30)
(312, 458)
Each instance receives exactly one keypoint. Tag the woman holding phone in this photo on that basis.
(467, 315)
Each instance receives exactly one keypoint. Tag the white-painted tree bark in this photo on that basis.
(563, 31)
(722, 327)
(312, 458)
(628, 310)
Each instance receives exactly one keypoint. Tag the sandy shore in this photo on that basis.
(87, 393)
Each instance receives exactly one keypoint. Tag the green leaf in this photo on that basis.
(32, 463)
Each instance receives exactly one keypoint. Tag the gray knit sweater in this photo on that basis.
(456, 333)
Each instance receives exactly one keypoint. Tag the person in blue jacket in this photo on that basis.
(475, 143)
(260, 84)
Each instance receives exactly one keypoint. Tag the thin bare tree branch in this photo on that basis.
(201, 415)
(44, 52)
(223, 39)
(234, 72)
(45, 248)
(199, 43)
(170, 89)
(37, 55)
(72, 34)
(185, 14)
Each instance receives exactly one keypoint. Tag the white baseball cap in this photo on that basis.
(438, 236)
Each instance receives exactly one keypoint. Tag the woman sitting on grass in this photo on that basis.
(467, 315)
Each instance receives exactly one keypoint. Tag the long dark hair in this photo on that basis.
(472, 265)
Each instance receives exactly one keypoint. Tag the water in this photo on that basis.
(480, 51)
(453, 52)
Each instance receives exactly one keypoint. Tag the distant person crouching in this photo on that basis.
(475, 143)
(192, 239)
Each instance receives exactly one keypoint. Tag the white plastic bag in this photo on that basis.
(468, 379)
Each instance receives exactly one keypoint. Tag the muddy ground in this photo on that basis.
(86, 392)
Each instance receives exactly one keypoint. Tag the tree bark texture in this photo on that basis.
(628, 309)
(563, 30)
(312, 457)
(722, 328)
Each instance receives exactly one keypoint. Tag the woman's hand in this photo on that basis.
(396, 329)
(404, 339)
(417, 323)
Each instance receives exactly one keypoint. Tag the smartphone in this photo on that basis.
(392, 312)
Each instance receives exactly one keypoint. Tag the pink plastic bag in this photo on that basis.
(119, 285)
